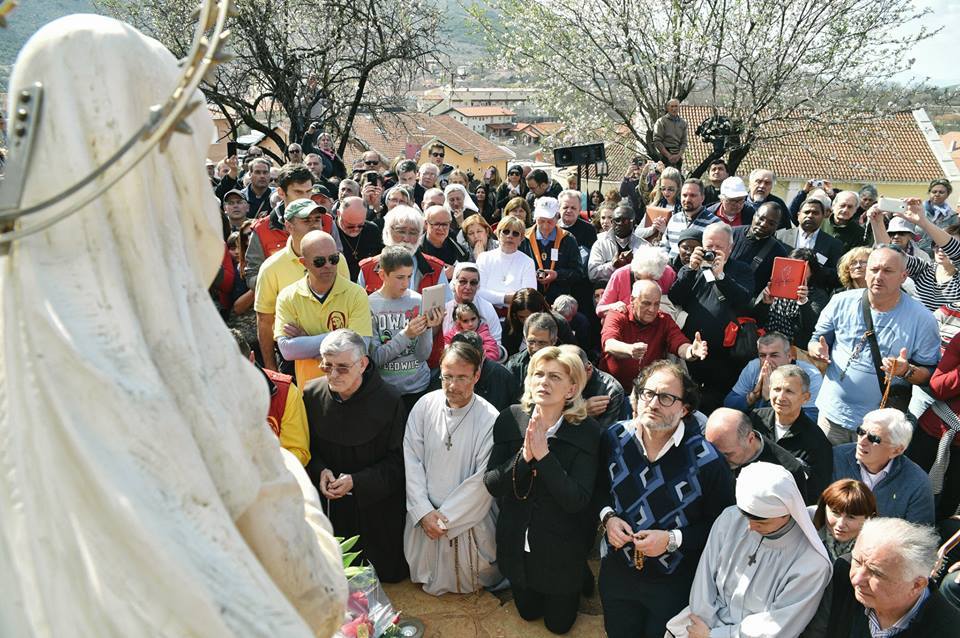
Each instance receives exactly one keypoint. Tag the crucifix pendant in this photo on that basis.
(751, 559)
(448, 443)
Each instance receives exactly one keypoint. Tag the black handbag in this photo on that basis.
(899, 395)
(740, 336)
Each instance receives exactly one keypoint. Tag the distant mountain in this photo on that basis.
(27, 17)
(25, 20)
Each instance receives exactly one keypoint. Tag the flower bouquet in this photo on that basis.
(369, 613)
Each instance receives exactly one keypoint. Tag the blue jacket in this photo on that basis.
(903, 493)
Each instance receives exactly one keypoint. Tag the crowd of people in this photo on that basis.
(756, 458)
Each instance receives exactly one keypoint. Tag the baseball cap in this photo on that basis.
(301, 208)
(321, 189)
(900, 225)
(690, 233)
(546, 208)
(234, 192)
(733, 187)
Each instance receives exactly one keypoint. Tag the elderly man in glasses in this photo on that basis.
(317, 304)
(656, 528)
(356, 451)
(901, 486)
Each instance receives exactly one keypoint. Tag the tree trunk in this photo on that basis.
(737, 156)
(352, 113)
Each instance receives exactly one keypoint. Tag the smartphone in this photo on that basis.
(231, 149)
(892, 205)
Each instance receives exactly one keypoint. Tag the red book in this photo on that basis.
(788, 275)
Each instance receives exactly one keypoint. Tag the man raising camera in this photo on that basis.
(713, 290)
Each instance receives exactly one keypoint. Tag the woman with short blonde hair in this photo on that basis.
(542, 470)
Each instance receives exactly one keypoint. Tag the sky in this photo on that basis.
(937, 57)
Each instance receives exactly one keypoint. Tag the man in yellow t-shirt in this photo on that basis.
(317, 304)
(283, 268)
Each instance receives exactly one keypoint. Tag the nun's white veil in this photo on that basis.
(141, 493)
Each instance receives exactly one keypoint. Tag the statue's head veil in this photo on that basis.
(132, 432)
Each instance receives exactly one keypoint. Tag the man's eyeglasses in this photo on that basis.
(457, 380)
(663, 398)
(437, 154)
(405, 232)
(339, 368)
(440, 224)
(320, 262)
(468, 282)
(538, 344)
(370, 162)
(506, 232)
(873, 438)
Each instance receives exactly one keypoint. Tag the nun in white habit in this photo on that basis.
(141, 491)
(764, 568)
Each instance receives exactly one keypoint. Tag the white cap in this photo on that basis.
(900, 225)
(546, 208)
(733, 187)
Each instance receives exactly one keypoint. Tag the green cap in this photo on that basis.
(301, 208)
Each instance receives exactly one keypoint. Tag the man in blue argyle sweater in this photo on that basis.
(661, 487)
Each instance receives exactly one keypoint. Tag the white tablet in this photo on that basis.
(433, 297)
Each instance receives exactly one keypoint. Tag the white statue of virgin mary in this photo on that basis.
(141, 491)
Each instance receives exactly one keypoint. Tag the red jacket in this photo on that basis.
(279, 387)
(944, 385)
(430, 270)
(273, 239)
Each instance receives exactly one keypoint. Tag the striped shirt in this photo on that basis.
(931, 293)
(900, 625)
(678, 223)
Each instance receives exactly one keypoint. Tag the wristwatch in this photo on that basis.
(671, 541)
(910, 370)
(607, 517)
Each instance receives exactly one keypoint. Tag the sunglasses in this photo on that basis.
(370, 162)
(506, 232)
(320, 262)
(873, 438)
(437, 154)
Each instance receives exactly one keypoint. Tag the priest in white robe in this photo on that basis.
(450, 534)
(764, 569)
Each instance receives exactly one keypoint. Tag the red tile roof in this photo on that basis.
(411, 127)
(889, 150)
(482, 111)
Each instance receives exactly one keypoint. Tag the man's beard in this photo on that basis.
(411, 248)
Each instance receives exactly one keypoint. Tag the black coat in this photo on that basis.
(937, 618)
(363, 437)
(746, 249)
(806, 441)
(556, 516)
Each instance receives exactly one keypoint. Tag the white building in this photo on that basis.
(440, 100)
(485, 120)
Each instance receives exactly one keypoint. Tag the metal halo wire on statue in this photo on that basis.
(207, 50)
